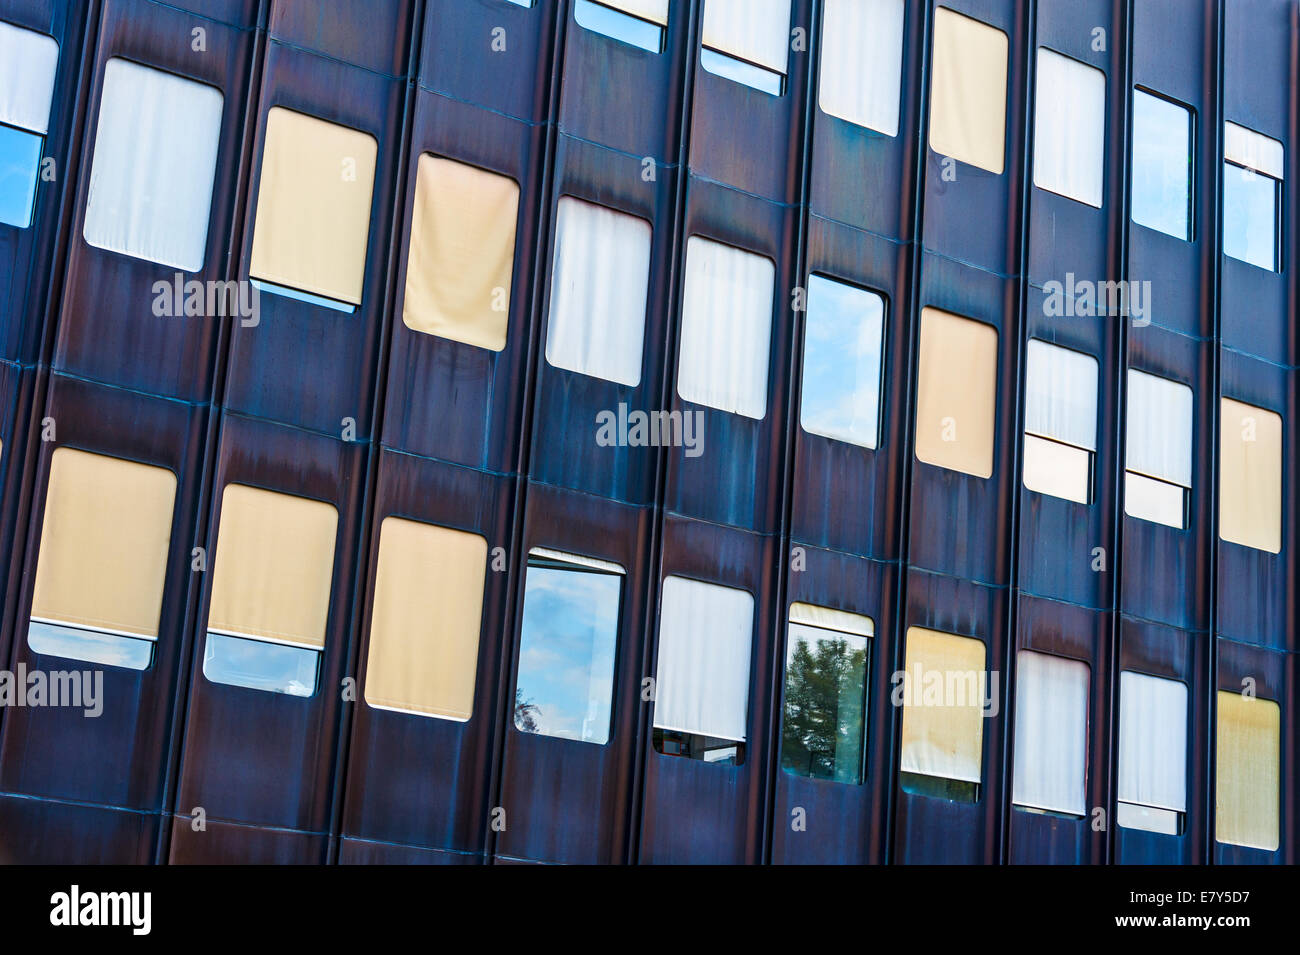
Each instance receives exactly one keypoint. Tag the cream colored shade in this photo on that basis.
(1250, 476)
(968, 90)
(1246, 784)
(274, 566)
(943, 719)
(313, 206)
(104, 542)
(827, 618)
(462, 253)
(957, 401)
(426, 618)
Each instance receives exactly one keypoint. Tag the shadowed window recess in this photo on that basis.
(599, 283)
(640, 23)
(272, 576)
(567, 644)
(1051, 747)
(824, 720)
(1152, 753)
(312, 222)
(1060, 421)
(103, 559)
(1246, 794)
(1158, 449)
(747, 41)
(726, 333)
(28, 64)
(968, 91)
(943, 693)
(425, 620)
(155, 161)
(462, 254)
(861, 70)
(1069, 128)
(701, 699)
(1162, 165)
(1250, 476)
(1253, 169)
(843, 343)
(957, 376)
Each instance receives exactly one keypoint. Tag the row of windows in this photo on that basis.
(98, 594)
(157, 142)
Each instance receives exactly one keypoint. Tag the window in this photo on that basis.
(1158, 455)
(1060, 421)
(638, 22)
(1250, 476)
(943, 710)
(1069, 127)
(747, 41)
(271, 580)
(1252, 192)
(154, 164)
(1162, 165)
(825, 693)
(726, 328)
(313, 210)
(462, 253)
(1051, 755)
(425, 619)
(701, 708)
(1246, 782)
(957, 402)
(1152, 753)
(599, 282)
(968, 91)
(843, 341)
(102, 563)
(567, 643)
(28, 62)
(860, 79)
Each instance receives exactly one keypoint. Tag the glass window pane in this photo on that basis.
(567, 642)
(1250, 216)
(825, 698)
(957, 405)
(92, 646)
(1250, 476)
(28, 63)
(20, 163)
(1069, 127)
(750, 31)
(1051, 743)
(1152, 751)
(619, 25)
(258, 665)
(841, 362)
(1247, 737)
(1162, 165)
(860, 79)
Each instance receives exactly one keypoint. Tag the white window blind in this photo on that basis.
(1159, 434)
(702, 681)
(599, 282)
(1069, 127)
(154, 163)
(28, 63)
(1152, 741)
(726, 328)
(861, 73)
(756, 31)
(1051, 756)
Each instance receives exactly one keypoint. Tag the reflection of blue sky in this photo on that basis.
(1162, 134)
(91, 646)
(1249, 219)
(841, 362)
(20, 161)
(566, 651)
(619, 25)
(260, 665)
